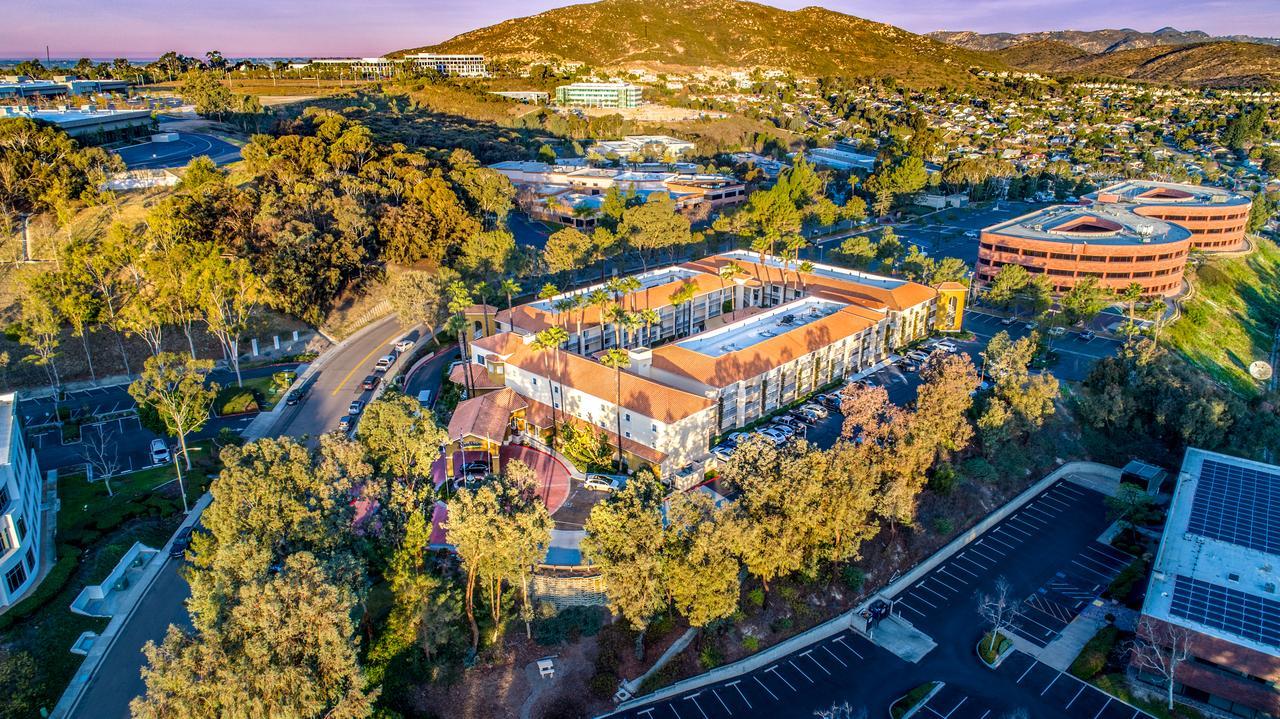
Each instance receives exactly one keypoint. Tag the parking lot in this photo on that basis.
(1048, 610)
(1061, 691)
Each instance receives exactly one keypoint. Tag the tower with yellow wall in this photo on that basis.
(951, 299)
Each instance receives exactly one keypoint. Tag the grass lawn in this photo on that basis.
(1230, 320)
(94, 531)
(257, 394)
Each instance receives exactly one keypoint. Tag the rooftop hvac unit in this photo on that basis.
(1145, 232)
(1218, 198)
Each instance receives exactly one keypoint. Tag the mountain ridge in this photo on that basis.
(720, 34)
(1091, 41)
(1215, 63)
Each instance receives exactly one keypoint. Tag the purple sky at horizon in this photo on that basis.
(147, 28)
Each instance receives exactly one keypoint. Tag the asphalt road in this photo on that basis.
(189, 145)
(849, 668)
(118, 679)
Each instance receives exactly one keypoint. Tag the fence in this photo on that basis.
(569, 587)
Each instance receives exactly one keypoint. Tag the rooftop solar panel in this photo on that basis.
(1230, 610)
(1236, 504)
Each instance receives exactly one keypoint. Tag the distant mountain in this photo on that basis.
(682, 35)
(1206, 64)
(1091, 41)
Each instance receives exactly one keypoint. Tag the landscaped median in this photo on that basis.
(993, 649)
(907, 704)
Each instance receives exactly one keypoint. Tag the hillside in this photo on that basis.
(1090, 41)
(683, 35)
(1209, 64)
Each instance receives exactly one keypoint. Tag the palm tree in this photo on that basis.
(617, 359)
(510, 288)
(576, 302)
(681, 297)
(729, 273)
(649, 317)
(552, 338)
(599, 299)
(762, 246)
(482, 290)
(617, 315)
(629, 287)
(1130, 295)
(791, 247)
(806, 267)
(631, 322)
(459, 301)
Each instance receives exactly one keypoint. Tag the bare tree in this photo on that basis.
(841, 711)
(102, 456)
(1159, 649)
(999, 609)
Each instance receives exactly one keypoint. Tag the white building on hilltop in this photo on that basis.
(20, 508)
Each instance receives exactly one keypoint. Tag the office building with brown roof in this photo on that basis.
(1068, 243)
(1216, 218)
(750, 335)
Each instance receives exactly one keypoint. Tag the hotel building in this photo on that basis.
(743, 346)
(1132, 231)
(598, 94)
(451, 65)
(20, 508)
(1214, 584)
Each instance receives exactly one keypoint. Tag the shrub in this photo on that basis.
(943, 480)
(991, 652)
(908, 702)
(942, 526)
(567, 625)
(603, 684)
(853, 577)
(1125, 582)
(1093, 657)
(751, 644)
(54, 582)
(781, 624)
(710, 656)
(756, 597)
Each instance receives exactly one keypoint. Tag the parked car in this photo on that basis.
(1031, 325)
(180, 543)
(355, 408)
(947, 346)
(603, 482)
(917, 355)
(773, 435)
(424, 398)
(384, 363)
(791, 423)
(344, 424)
(298, 394)
(738, 437)
(404, 345)
(159, 452)
(1057, 331)
(971, 233)
(1011, 319)
(816, 409)
(805, 415)
(723, 451)
(831, 399)
(370, 382)
(1088, 336)
(476, 468)
(786, 429)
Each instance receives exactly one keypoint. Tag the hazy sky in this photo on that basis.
(142, 28)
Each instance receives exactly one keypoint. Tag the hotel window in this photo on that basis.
(627, 415)
(15, 577)
(31, 559)
(21, 529)
(627, 435)
(5, 543)
(653, 427)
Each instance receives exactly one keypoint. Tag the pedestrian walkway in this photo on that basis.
(1061, 652)
(901, 638)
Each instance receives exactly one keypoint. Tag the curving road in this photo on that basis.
(337, 375)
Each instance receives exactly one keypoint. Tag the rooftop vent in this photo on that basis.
(1233, 577)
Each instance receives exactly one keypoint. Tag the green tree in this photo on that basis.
(402, 440)
(653, 226)
(1007, 285)
(702, 571)
(174, 386)
(624, 538)
(567, 250)
(421, 298)
(858, 250)
(206, 91)
(617, 359)
(1084, 300)
(40, 329)
(288, 648)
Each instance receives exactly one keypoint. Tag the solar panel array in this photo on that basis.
(1234, 612)
(1235, 504)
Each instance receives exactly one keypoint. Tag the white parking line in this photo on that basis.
(979, 565)
(833, 656)
(1047, 516)
(1077, 696)
(646, 712)
(1051, 683)
(806, 676)
(988, 557)
(959, 568)
(1063, 486)
(1091, 570)
(931, 591)
(943, 570)
(846, 646)
(908, 606)
(672, 707)
(1032, 522)
(1104, 706)
(992, 537)
(809, 654)
(1030, 666)
(1027, 616)
(722, 703)
(1060, 506)
(940, 583)
(778, 674)
(1008, 527)
(1107, 558)
(694, 698)
(762, 684)
(734, 684)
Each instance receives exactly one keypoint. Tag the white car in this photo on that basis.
(404, 345)
(603, 482)
(384, 363)
(1057, 331)
(159, 452)
(816, 409)
(947, 346)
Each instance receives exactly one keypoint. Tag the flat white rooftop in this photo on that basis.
(758, 328)
(1219, 562)
(831, 271)
(650, 279)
